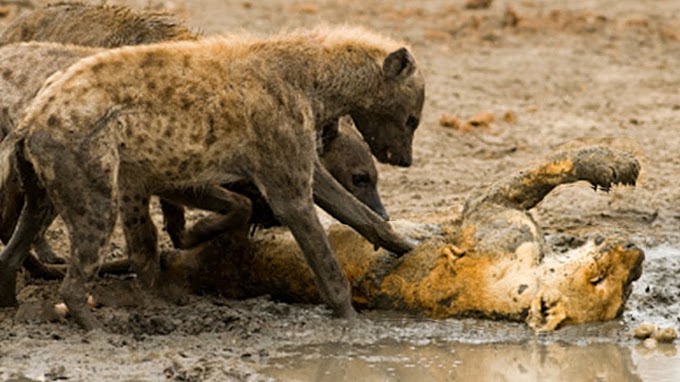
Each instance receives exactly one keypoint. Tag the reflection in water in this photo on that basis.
(474, 362)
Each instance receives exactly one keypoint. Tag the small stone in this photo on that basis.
(449, 120)
(510, 117)
(665, 335)
(482, 119)
(645, 330)
(61, 310)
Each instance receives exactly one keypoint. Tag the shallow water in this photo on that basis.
(475, 362)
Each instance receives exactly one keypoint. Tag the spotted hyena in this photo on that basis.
(214, 111)
(113, 26)
(68, 23)
(24, 68)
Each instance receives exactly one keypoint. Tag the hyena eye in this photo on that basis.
(412, 122)
(361, 180)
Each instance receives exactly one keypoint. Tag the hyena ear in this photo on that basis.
(328, 134)
(399, 64)
(330, 131)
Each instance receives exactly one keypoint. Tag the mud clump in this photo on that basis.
(645, 330)
(481, 120)
(652, 334)
(478, 4)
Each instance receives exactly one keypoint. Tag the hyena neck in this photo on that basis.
(335, 81)
(349, 81)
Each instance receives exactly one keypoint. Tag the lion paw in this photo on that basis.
(604, 167)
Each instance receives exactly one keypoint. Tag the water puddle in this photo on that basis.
(477, 362)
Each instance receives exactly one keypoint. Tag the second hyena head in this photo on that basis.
(348, 159)
(391, 115)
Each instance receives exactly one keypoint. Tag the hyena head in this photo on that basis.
(389, 120)
(347, 157)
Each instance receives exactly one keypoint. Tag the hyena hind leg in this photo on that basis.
(82, 185)
(35, 218)
(89, 234)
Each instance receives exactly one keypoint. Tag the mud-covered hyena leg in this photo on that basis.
(601, 166)
(80, 178)
(337, 201)
(39, 270)
(44, 251)
(140, 232)
(295, 209)
(12, 200)
(90, 227)
(34, 220)
(233, 209)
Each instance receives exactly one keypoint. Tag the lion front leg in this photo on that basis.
(601, 166)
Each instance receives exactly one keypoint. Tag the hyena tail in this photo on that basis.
(8, 151)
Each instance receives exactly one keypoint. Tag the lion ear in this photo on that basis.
(399, 64)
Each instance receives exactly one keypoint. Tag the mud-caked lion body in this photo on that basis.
(136, 121)
(492, 262)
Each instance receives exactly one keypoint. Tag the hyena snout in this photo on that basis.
(389, 142)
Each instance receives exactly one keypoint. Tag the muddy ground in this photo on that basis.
(549, 72)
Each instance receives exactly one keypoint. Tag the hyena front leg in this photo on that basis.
(339, 203)
(233, 211)
(295, 209)
(36, 217)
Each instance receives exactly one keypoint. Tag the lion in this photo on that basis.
(491, 262)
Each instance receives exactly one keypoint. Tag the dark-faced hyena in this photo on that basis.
(24, 68)
(342, 151)
(213, 111)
